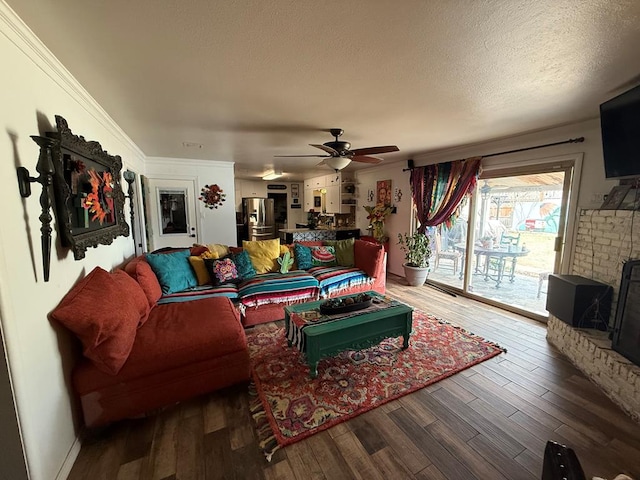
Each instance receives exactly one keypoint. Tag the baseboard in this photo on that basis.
(69, 460)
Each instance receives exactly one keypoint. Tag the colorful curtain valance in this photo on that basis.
(438, 189)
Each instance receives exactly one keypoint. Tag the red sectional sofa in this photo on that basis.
(183, 350)
(370, 260)
(144, 350)
(140, 356)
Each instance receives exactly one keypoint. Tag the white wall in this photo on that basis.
(214, 226)
(396, 223)
(33, 88)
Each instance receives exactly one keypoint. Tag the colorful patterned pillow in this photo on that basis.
(222, 270)
(324, 256)
(303, 256)
(244, 265)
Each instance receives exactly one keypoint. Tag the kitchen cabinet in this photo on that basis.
(308, 199)
(315, 182)
(332, 199)
(253, 188)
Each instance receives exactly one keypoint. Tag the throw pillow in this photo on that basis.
(129, 287)
(222, 270)
(173, 270)
(142, 273)
(263, 253)
(102, 317)
(197, 250)
(323, 256)
(200, 269)
(244, 265)
(345, 254)
(303, 256)
(220, 249)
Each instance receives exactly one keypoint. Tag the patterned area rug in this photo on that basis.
(288, 405)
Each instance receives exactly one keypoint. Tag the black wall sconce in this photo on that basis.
(130, 177)
(46, 170)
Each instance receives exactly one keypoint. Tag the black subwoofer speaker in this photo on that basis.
(579, 301)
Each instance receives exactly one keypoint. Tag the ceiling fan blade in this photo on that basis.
(375, 150)
(326, 149)
(296, 156)
(365, 159)
(323, 162)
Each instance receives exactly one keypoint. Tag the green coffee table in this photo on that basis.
(362, 330)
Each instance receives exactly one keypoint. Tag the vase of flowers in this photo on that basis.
(376, 217)
(417, 252)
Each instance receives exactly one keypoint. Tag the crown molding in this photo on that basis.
(19, 33)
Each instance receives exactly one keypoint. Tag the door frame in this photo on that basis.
(572, 164)
(151, 195)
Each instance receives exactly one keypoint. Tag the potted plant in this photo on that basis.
(416, 253)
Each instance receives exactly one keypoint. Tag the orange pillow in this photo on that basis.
(103, 317)
(128, 285)
(369, 257)
(142, 273)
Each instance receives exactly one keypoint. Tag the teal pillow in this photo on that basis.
(243, 265)
(173, 270)
(302, 256)
(345, 251)
(324, 256)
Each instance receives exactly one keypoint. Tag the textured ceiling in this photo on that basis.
(250, 79)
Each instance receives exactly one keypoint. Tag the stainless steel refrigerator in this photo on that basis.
(259, 218)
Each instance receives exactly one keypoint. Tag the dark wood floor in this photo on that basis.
(491, 421)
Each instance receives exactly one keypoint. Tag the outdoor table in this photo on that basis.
(501, 254)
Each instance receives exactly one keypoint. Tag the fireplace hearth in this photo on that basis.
(604, 247)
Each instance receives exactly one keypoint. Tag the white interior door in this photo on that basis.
(172, 213)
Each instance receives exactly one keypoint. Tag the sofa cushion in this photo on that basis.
(103, 317)
(173, 270)
(323, 256)
(369, 257)
(228, 290)
(333, 280)
(302, 255)
(244, 265)
(263, 253)
(345, 255)
(175, 335)
(277, 288)
(133, 290)
(142, 273)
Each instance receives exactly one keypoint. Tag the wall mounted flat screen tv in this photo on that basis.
(620, 124)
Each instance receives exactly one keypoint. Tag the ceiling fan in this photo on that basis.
(340, 155)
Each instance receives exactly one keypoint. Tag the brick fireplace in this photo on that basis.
(605, 240)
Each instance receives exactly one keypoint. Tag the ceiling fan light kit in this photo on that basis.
(337, 163)
(339, 154)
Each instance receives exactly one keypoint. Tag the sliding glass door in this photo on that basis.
(507, 239)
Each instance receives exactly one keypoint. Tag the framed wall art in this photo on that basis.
(88, 195)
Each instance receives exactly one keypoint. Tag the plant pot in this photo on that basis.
(416, 276)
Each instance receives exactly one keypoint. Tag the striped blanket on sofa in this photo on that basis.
(333, 280)
(285, 288)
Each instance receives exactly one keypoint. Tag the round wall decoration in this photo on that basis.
(212, 196)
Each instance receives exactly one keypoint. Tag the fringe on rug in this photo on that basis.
(472, 335)
(266, 439)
